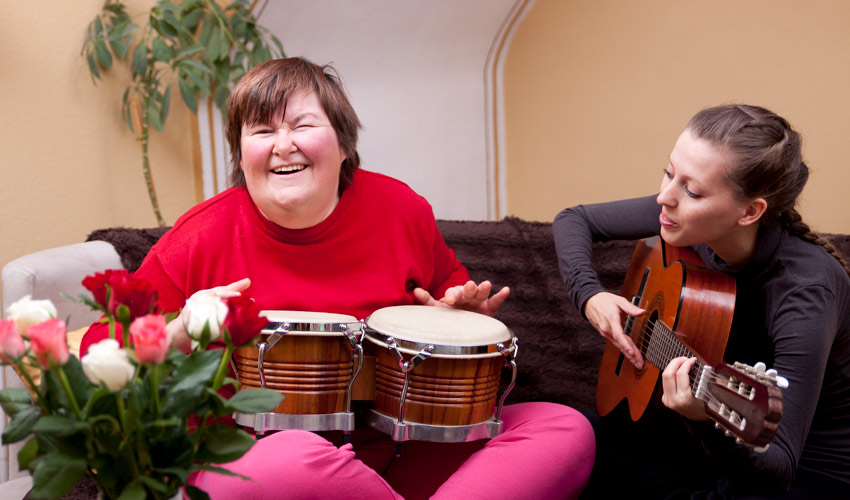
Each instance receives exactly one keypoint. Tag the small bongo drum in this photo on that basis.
(312, 359)
(438, 372)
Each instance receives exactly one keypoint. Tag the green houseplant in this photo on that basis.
(204, 46)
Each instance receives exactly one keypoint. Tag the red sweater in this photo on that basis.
(380, 242)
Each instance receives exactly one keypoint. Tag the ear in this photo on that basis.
(753, 211)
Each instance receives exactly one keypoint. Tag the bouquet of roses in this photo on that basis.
(137, 420)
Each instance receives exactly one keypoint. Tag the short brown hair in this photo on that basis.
(268, 86)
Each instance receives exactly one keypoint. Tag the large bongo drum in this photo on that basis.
(312, 359)
(438, 373)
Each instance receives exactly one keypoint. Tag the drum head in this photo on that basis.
(308, 322)
(439, 326)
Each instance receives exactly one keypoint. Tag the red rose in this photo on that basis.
(243, 321)
(118, 287)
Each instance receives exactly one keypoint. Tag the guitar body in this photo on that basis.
(672, 286)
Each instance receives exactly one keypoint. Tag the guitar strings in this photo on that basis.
(662, 348)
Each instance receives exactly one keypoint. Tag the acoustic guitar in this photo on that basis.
(688, 313)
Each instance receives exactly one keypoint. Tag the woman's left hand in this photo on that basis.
(471, 297)
(677, 396)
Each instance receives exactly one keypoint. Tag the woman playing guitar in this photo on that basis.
(729, 192)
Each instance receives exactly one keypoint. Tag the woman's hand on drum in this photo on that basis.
(176, 329)
(471, 297)
(676, 381)
(604, 311)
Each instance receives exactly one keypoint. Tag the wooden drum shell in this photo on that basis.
(441, 391)
(312, 372)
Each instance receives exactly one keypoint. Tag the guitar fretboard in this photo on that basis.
(659, 345)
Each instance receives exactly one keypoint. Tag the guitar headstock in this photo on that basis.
(745, 400)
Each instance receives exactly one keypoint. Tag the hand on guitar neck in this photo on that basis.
(678, 396)
(605, 312)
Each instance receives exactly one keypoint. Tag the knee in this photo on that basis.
(560, 426)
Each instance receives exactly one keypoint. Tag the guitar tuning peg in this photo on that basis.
(780, 382)
(760, 367)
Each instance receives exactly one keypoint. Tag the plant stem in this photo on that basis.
(218, 381)
(144, 128)
(33, 388)
(60, 373)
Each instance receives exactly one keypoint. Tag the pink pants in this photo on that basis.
(545, 451)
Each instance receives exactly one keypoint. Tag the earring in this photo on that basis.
(742, 225)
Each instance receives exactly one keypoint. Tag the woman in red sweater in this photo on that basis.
(304, 229)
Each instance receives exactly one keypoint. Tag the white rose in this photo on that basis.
(26, 312)
(200, 310)
(106, 363)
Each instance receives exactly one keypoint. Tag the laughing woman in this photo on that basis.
(305, 229)
(729, 191)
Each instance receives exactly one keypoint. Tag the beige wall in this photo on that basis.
(70, 165)
(597, 91)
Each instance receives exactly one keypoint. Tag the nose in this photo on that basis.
(282, 142)
(666, 196)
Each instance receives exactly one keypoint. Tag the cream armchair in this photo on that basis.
(49, 274)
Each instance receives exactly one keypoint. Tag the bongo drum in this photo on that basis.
(312, 359)
(438, 372)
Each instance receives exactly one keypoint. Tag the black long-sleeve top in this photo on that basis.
(792, 312)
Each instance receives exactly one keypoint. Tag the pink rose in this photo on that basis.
(47, 340)
(11, 342)
(150, 340)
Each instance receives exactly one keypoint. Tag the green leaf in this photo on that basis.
(27, 453)
(14, 400)
(56, 474)
(190, 21)
(153, 484)
(221, 95)
(161, 51)
(92, 66)
(58, 425)
(197, 65)
(133, 491)
(164, 103)
(223, 444)
(104, 57)
(188, 94)
(186, 51)
(254, 400)
(119, 47)
(214, 44)
(20, 426)
(154, 118)
(220, 470)
(196, 493)
(198, 369)
(80, 385)
(140, 59)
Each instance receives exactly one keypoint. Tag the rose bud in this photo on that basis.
(150, 340)
(11, 343)
(27, 312)
(203, 309)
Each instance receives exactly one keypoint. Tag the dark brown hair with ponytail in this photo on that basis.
(769, 163)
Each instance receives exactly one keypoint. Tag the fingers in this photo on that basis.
(676, 381)
(496, 301)
(472, 297)
(227, 291)
(424, 298)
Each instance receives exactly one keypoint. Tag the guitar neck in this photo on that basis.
(660, 345)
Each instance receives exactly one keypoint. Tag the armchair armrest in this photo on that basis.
(51, 273)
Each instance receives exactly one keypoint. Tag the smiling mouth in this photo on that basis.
(288, 169)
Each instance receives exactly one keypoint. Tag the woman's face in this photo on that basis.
(697, 203)
(292, 164)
